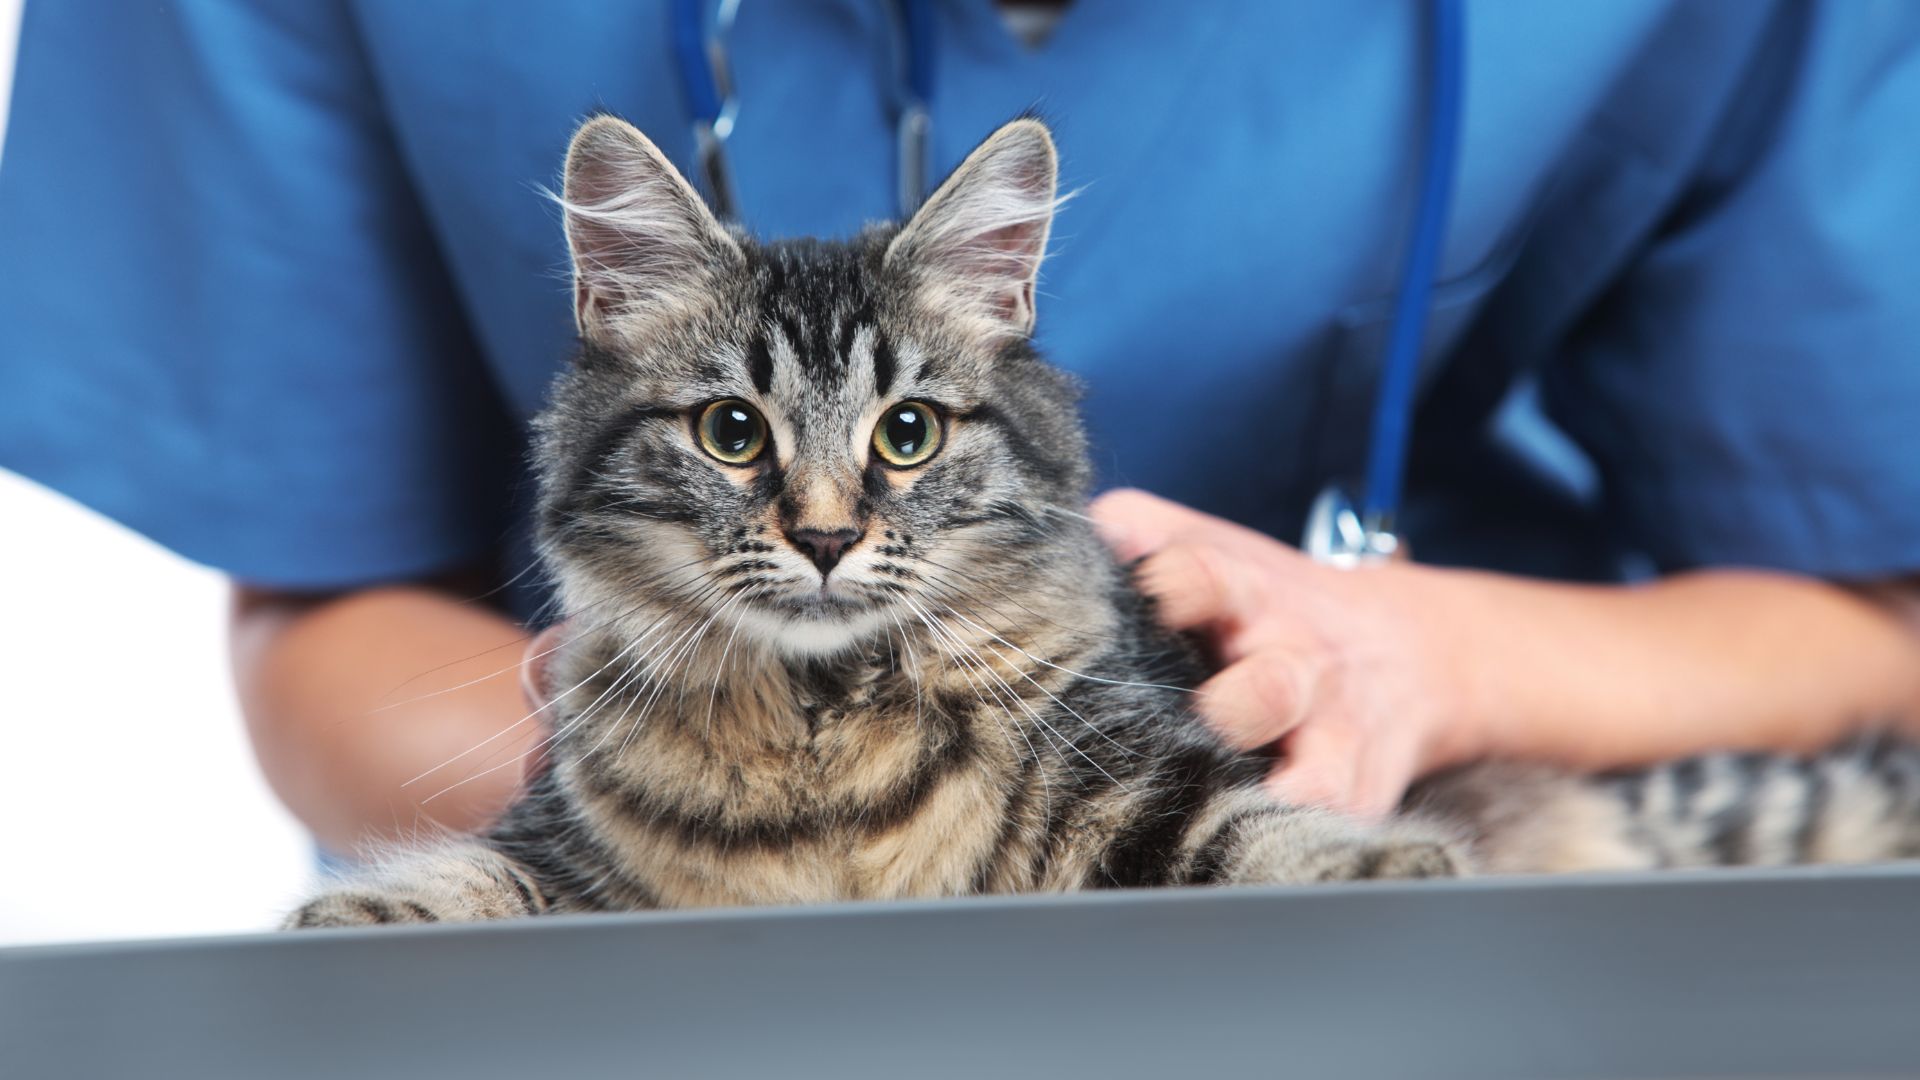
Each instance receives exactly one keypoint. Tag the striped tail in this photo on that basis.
(1857, 803)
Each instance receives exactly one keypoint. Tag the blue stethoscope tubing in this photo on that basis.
(1439, 156)
(706, 79)
(1337, 533)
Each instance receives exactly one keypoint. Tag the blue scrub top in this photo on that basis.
(278, 288)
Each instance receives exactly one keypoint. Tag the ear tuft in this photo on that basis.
(644, 245)
(975, 247)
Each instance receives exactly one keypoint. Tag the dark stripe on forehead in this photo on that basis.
(809, 329)
(883, 364)
(760, 365)
(850, 326)
(794, 332)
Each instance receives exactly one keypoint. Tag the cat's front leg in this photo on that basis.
(460, 882)
(1250, 840)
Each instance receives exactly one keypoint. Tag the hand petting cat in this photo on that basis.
(1346, 668)
(1371, 678)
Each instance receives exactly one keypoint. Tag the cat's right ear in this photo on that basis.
(645, 247)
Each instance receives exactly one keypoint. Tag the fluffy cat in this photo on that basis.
(840, 632)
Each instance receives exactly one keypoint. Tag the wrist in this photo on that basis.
(1467, 666)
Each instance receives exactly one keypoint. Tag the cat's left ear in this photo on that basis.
(975, 247)
(645, 247)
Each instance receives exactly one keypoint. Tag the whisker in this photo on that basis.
(1076, 674)
(670, 663)
(656, 675)
(1008, 725)
(550, 703)
(720, 668)
(645, 633)
(410, 680)
(987, 670)
(543, 747)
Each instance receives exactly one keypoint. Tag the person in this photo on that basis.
(280, 290)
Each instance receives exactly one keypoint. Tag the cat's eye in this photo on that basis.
(732, 431)
(907, 434)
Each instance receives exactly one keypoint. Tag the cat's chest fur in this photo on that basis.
(778, 785)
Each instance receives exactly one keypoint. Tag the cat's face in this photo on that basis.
(808, 442)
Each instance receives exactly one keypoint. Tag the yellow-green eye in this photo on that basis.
(732, 431)
(907, 434)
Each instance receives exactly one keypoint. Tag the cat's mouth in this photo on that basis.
(814, 620)
(830, 600)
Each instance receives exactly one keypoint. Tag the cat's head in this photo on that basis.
(807, 441)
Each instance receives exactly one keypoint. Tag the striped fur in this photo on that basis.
(974, 698)
(1858, 803)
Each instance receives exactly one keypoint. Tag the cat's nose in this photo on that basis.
(825, 546)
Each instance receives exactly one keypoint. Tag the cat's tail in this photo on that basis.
(1857, 803)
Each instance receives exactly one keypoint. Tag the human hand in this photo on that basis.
(1357, 673)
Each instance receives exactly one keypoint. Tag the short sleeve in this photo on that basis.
(223, 320)
(1750, 389)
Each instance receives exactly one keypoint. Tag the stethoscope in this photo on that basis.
(1338, 531)
(706, 77)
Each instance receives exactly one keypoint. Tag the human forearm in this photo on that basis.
(312, 671)
(1606, 676)
(1367, 678)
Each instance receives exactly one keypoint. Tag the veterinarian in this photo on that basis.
(278, 289)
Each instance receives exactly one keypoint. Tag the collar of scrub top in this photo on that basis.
(706, 77)
(1337, 533)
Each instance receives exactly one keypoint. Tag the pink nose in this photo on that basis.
(824, 546)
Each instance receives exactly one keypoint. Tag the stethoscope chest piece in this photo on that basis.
(1337, 535)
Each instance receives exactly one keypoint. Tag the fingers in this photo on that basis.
(1330, 763)
(1321, 766)
(1201, 569)
(1382, 779)
(1195, 585)
(1278, 623)
(1134, 523)
(1256, 701)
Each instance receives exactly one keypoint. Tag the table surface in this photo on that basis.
(1718, 973)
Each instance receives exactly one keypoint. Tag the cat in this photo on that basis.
(838, 629)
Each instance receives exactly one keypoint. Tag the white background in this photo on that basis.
(129, 803)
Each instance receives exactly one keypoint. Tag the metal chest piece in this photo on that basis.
(1338, 536)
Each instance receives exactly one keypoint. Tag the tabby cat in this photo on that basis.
(838, 630)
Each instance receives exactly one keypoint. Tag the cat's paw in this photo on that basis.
(357, 907)
(1392, 857)
(1322, 848)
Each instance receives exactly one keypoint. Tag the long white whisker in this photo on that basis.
(669, 664)
(502, 733)
(523, 660)
(657, 672)
(1022, 702)
(1009, 726)
(720, 668)
(1068, 670)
